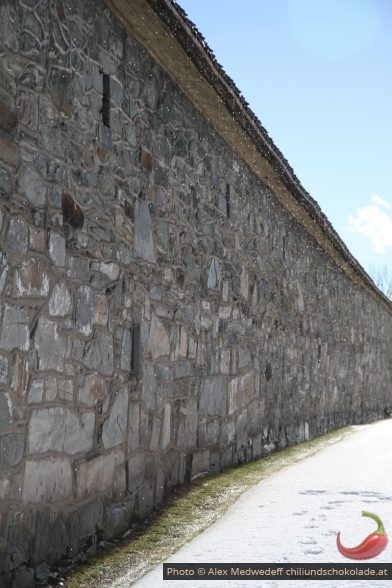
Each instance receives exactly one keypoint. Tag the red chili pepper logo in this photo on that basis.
(370, 547)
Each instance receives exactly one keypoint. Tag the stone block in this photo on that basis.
(188, 426)
(47, 481)
(17, 236)
(50, 346)
(5, 412)
(155, 433)
(32, 279)
(126, 350)
(15, 328)
(133, 426)
(78, 268)
(56, 249)
(36, 392)
(37, 239)
(4, 373)
(143, 245)
(19, 375)
(58, 429)
(98, 353)
(101, 310)
(61, 89)
(117, 517)
(159, 342)
(136, 471)
(149, 387)
(241, 391)
(84, 310)
(200, 463)
(60, 302)
(165, 437)
(11, 449)
(114, 428)
(213, 397)
(214, 275)
(93, 389)
(97, 475)
(3, 270)
(28, 110)
(33, 187)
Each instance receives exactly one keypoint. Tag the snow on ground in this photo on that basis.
(295, 515)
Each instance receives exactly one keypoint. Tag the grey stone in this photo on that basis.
(3, 271)
(32, 279)
(50, 346)
(165, 438)
(115, 426)
(184, 369)
(110, 270)
(213, 397)
(61, 89)
(96, 473)
(11, 448)
(78, 268)
(214, 275)
(143, 237)
(155, 433)
(84, 310)
(28, 110)
(92, 390)
(133, 426)
(200, 463)
(58, 429)
(65, 390)
(36, 392)
(60, 302)
(137, 464)
(159, 342)
(241, 391)
(15, 328)
(17, 236)
(47, 481)
(56, 248)
(149, 386)
(5, 412)
(23, 577)
(3, 369)
(126, 350)
(189, 422)
(33, 187)
(98, 353)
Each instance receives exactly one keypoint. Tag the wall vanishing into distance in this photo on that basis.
(162, 315)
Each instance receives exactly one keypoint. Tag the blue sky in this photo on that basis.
(318, 75)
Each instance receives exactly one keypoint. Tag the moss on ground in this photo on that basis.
(190, 510)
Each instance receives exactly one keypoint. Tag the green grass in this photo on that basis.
(190, 510)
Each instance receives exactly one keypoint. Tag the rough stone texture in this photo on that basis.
(58, 429)
(143, 243)
(148, 333)
(14, 332)
(47, 480)
(60, 302)
(115, 426)
(50, 346)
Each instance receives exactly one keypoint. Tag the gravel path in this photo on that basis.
(295, 515)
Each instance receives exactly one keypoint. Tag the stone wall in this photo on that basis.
(162, 315)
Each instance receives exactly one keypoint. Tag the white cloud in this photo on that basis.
(380, 201)
(374, 223)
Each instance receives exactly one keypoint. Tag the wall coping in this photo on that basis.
(163, 28)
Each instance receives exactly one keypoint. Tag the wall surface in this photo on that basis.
(162, 315)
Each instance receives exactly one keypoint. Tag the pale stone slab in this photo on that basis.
(47, 480)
